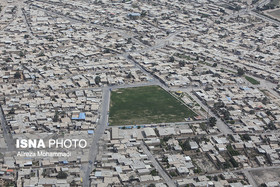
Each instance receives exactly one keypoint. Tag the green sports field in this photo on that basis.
(252, 80)
(146, 105)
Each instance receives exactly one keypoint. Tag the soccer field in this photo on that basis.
(146, 105)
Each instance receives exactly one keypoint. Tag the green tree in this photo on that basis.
(215, 178)
(157, 132)
(226, 114)
(182, 63)
(129, 57)
(17, 75)
(251, 112)
(129, 40)
(212, 121)
(265, 100)
(21, 54)
(240, 71)
(246, 137)
(97, 80)
(173, 173)
(164, 159)
(62, 175)
(233, 162)
(197, 170)
(232, 151)
(186, 145)
(218, 105)
(106, 50)
(44, 173)
(154, 172)
(155, 20)
(73, 183)
(203, 126)
(12, 111)
(166, 138)
(129, 75)
(131, 177)
(143, 13)
(271, 126)
(56, 116)
(226, 165)
(8, 59)
(171, 59)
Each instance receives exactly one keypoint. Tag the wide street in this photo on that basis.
(100, 129)
(7, 134)
(157, 166)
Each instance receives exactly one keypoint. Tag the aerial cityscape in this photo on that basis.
(152, 93)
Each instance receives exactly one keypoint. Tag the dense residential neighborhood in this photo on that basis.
(158, 93)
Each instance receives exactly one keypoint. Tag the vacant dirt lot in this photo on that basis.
(275, 13)
(205, 164)
(262, 176)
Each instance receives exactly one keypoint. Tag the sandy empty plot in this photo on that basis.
(275, 14)
(262, 176)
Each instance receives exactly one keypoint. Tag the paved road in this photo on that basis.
(6, 133)
(250, 178)
(150, 83)
(113, 87)
(170, 124)
(99, 131)
(161, 43)
(220, 124)
(122, 32)
(27, 23)
(157, 166)
(15, 15)
(265, 18)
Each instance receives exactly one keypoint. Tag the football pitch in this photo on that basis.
(146, 105)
